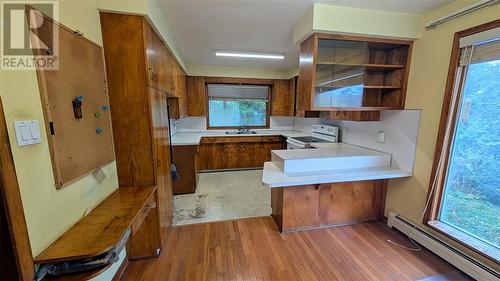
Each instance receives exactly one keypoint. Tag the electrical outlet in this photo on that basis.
(381, 136)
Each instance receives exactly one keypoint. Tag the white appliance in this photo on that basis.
(320, 133)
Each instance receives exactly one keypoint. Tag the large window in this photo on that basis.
(232, 105)
(467, 182)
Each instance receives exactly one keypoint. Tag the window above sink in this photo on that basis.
(238, 106)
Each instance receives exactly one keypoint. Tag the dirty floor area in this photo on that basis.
(224, 196)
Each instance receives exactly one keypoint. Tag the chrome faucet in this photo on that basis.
(243, 128)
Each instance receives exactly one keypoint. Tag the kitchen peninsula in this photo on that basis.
(329, 185)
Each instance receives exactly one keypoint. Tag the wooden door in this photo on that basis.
(196, 96)
(283, 98)
(185, 162)
(151, 55)
(160, 127)
(182, 93)
(165, 75)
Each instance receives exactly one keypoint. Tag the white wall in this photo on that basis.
(401, 131)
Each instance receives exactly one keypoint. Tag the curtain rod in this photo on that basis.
(462, 12)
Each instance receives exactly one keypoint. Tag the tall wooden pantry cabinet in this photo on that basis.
(139, 84)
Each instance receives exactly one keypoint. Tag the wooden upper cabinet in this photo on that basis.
(283, 98)
(178, 101)
(151, 54)
(181, 92)
(350, 73)
(159, 61)
(196, 96)
(164, 72)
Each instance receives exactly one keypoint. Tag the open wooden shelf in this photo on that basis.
(367, 66)
(378, 67)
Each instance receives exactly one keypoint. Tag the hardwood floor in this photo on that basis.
(253, 249)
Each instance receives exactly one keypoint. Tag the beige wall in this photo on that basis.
(428, 74)
(152, 10)
(355, 21)
(245, 72)
(50, 212)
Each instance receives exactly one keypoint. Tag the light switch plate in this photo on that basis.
(27, 132)
(381, 137)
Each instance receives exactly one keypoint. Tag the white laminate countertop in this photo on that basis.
(274, 177)
(327, 150)
(195, 137)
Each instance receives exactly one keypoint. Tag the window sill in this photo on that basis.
(482, 248)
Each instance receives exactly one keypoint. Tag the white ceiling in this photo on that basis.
(201, 26)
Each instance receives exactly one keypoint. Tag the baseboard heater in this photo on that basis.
(460, 260)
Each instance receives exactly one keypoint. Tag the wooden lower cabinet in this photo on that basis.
(186, 162)
(332, 204)
(145, 238)
(222, 153)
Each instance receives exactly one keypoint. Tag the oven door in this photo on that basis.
(293, 144)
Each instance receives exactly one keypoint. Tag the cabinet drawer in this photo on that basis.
(149, 207)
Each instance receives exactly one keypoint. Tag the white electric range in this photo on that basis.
(320, 134)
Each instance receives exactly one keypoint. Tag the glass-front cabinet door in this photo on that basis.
(340, 75)
(353, 73)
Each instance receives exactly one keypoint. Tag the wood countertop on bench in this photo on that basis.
(101, 229)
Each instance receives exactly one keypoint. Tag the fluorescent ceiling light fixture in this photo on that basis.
(249, 55)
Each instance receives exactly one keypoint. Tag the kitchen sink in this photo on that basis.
(240, 132)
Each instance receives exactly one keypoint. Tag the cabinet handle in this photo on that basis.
(146, 209)
(158, 162)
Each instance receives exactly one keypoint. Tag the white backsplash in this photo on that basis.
(401, 131)
(400, 128)
(191, 124)
(305, 124)
(173, 126)
(281, 123)
(199, 124)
